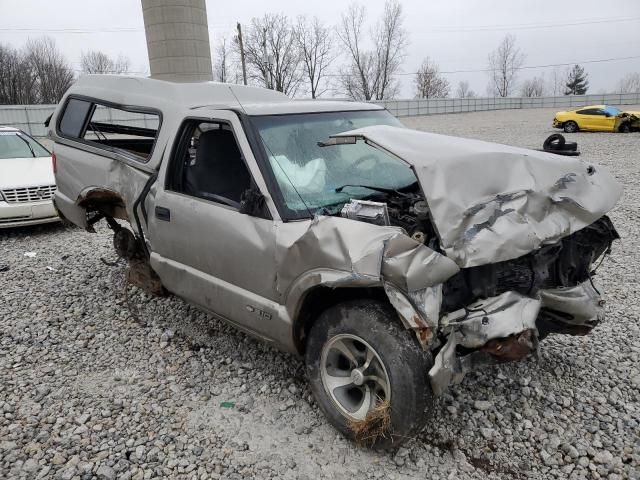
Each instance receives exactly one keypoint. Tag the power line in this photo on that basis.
(429, 29)
(524, 26)
(84, 31)
(603, 60)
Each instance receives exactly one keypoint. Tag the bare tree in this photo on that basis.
(463, 90)
(533, 87)
(221, 62)
(370, 73)
(316, 48)
(358, 78)
(272, 53)
(96, 62)
(557, 82)
(391, 40)
(52, 71)
(122, 64)
(17, 79)
(630, 83)
(429, 82)
(504, 63)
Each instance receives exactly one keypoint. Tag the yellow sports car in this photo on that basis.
(597, 118)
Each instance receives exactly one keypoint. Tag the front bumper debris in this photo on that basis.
(507, 328)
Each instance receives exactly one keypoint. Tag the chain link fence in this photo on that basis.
(432, 106)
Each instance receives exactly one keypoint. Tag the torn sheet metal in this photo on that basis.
(335, 252)
(582, 303)
(631, 119)
(494, 318)
(331, 244)
(492, 202)
(416, 311)
(412, 266)
(507, 327)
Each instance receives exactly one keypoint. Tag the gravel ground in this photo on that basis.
(94, 388)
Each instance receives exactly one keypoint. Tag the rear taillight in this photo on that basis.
(54, 162)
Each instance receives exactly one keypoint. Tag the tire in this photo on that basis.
(570, 126)
(363, 326)
(554, 142)
(624, 128)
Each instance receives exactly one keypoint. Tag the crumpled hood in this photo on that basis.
(492, 202)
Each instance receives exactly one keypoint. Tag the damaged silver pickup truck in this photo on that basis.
(393, 260)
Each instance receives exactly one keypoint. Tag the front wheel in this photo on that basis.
(570, 126)
(624, 128)
(369, 374)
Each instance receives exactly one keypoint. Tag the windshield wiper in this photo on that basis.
(33, 154)
(388, 191)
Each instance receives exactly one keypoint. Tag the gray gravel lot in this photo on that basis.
(91, 388)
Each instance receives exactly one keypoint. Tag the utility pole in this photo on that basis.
(267, 68)
(244, 67)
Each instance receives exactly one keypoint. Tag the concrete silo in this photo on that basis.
(177, 39)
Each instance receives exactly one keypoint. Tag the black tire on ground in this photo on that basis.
(554, 142)
(624, 128)
(404, 360)
(570, 126)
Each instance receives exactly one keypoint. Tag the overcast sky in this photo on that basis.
(457, 34)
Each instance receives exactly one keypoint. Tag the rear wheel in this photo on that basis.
(368, 373)
(570, 126)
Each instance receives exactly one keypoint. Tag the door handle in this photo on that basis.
(163, 213)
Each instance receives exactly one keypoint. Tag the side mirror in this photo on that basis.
(252, 203)
(607, 114)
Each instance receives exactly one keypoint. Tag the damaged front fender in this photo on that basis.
(337, 252)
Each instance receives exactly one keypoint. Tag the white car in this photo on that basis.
(27, 184)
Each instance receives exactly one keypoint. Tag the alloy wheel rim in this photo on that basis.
(353, 375)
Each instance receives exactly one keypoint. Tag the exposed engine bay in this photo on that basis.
(566, 263)
(407, 210)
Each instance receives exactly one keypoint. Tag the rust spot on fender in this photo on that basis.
(425, 335)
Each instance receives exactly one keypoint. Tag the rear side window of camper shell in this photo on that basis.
(127, 130)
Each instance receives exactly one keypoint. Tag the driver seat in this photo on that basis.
(219, 168)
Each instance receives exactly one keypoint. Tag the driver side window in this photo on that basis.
(209, 164)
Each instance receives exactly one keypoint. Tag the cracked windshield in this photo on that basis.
(308, 175)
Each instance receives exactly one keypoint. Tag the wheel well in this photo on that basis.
(104, 201)
(319, 299)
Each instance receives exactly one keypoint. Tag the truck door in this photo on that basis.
(204, 249)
